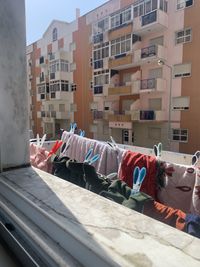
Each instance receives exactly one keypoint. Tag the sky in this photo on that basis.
(40, 13)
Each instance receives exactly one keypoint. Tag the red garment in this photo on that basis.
(133, 159)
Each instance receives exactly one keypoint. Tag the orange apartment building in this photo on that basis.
(127, 69)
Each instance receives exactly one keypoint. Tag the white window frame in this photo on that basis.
(97, 30)
(182, 106)
(183, 38)
(117, 45)
(121, 18)
(99, 51)
(101, 78)
(180, 135)
(181, 4)
(182, 75)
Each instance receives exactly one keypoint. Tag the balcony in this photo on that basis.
(120, 62)
(120, 31)
(120, 90)
(155, 21)
(98, 115)
(149, 54)
(152, 85)
(148, 115)
(119, 118)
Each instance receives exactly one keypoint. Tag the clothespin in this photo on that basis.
(138, 178)
(82, 133)
(89, 159)
(40, 143)
(158, 150)
(55, 148)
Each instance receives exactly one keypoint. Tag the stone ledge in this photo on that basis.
(94, 230)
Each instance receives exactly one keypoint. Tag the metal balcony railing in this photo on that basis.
(148, 84)
(149, 51)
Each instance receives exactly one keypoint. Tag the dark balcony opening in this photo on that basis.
(42, 114)
(149, 18)
(98, 38)
(98, 64)
(42, 96)
(47, 88)
(53, 95)
(98, 89)
(148, 51)
(148, 84)
(41, 60)
(52, 76)
(148, 115)
(188, 3)
(136, 38)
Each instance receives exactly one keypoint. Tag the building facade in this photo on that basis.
(132, 74)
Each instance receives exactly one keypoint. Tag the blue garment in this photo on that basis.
(193, 225)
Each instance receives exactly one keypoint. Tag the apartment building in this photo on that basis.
(50, 79)
(135, 73)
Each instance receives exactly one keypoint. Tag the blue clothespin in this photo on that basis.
(73, 127)
(138, 178)
(89, 159)
(82, 133)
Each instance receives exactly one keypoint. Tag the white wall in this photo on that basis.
(14, 98)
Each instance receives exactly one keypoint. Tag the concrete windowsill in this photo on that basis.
(69, 226)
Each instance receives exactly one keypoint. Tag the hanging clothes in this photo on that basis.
(133, 159)
(109, 160)
(39, 158)
(178, 186)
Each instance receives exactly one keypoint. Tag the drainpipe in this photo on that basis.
(14, 134)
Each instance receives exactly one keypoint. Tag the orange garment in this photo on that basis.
(165, 214)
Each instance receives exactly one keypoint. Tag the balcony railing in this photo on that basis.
(149, 18)
(52, 76)
(148, 84)
(98, 115)
(149, 51)
(98, 89)
(121, 89)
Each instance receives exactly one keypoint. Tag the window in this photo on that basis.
(73, 87)
(51, 107)
(101, 26)
(100, 51)
(182, 70)
(121, 18)
(155, 103)
(72, 66)
(41, 60)
(64, 65)
(180, 103)
(64, 86)
(180, 135)
(101, 77)
(54, 87)
(54, 34)
(121, 45)
(154, 133)
(54, 66)
(183, 3)
(163, 5)
(183, 36)
(62, 107)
